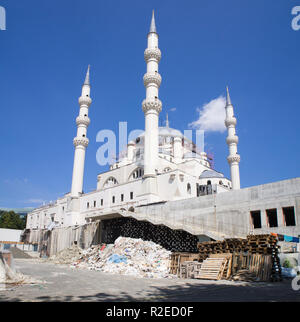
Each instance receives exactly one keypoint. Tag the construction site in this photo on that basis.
(162, 224)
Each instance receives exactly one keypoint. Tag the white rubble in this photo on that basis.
(127, 256)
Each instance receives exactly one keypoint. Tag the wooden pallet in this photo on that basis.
(213, 268)
(176, 259)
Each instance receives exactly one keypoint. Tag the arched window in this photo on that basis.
(137, 173)
(111, 181)
(208, 182)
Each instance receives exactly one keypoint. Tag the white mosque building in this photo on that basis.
(162, 166)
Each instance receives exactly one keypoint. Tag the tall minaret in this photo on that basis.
(232, 141)
(81, 141)
(152, 106)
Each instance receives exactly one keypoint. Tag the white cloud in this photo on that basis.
(172, 109)
(37, 201)
(211, 116)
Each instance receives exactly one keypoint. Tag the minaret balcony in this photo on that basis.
(232, 139)
(154, 104)
(83, 141)
(85, 101)
(152, 78)
(234, 158)
(152, 54)
(230, 121)
(83, 120)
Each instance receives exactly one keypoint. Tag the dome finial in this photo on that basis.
(152, 26)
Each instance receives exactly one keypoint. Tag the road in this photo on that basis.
(69, 284)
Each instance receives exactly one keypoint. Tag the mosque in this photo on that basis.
(164, 179)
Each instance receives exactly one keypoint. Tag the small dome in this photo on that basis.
(211, 174)
(166, 131)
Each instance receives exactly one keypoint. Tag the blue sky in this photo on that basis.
(206, 45)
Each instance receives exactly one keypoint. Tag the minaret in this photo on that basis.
(152, 106)
(232, 141)
(81, 141)
(167, 120)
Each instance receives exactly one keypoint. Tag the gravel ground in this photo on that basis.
(67, 284)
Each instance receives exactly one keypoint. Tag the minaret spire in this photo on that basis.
(228, 100)
(152, 26)
(87, 77)
(81, 141)
(232, 141)
(167, 120)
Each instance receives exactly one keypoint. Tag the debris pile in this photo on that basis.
(67, 256)
(127, 256)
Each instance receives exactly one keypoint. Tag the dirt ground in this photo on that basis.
(67, 284)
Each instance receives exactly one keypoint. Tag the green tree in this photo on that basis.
(11, 220)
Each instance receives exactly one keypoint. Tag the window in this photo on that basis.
(101, 202)
(272, 217)
(94, 203)
(208, 182)
(122, 197)
(188, 188)
(88, 205)
(131, 195)
(111, 181)
(138, 173)
(113, 199)
(256, 219)
(289, 216)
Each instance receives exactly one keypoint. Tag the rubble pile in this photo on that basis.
(67, 256)
(127, 256)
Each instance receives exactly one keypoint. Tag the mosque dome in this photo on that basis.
(166, 131)
(211, 174)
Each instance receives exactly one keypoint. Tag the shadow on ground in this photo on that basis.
(188, 292)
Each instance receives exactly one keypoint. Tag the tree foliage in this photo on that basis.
(11, 220)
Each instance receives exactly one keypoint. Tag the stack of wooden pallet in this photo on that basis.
(176, 259)
(189, 269)
(267, 245)
(215, 267)
(229, 245)
(244, 255)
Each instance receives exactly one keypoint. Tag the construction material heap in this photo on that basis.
(258, 254)
(127, 256)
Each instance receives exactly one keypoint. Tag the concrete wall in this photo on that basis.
(218, 216)
(228, 214)
(12, 235)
